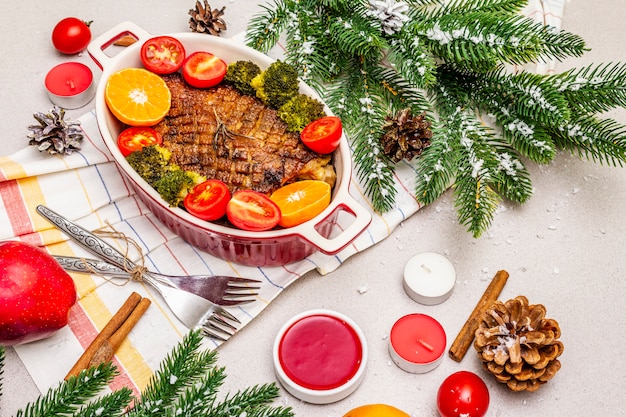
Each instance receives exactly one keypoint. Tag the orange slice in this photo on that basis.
(376, 410)
(301, 201)
(137, 97)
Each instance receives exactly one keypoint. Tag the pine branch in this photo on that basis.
(480, 41)
(270, 412)
(509, 7)
(437, 166)
(478, 168)
(355, 34)
(450, 59)
(70, 395)
(197, 400)
(301, 49)
(264, 29)
(600, 140)
(110, 405)
(529, 139)
(257, 397)
(595, 88)
(413, 60)
(181, 369)
(512, 179)
(357, 99)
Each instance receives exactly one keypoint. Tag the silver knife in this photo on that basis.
(89, 266)
(86, 239)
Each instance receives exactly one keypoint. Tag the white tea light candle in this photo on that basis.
(429, 278)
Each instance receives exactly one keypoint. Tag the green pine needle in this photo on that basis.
(186, 384)
(181, 369)
(70, 396)
(446, 59)
(113, 404)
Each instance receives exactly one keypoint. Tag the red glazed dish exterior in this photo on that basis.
(269, 248)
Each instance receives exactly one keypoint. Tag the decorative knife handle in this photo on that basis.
(88, 240)
(76, 264)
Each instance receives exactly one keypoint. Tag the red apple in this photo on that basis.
(36, 294)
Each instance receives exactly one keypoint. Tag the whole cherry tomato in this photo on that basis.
(203, 70)
(136, 138)
(253, 211)
(162, 54)
(463, 394)
(322, 135)
(208, 200)
(71, 35)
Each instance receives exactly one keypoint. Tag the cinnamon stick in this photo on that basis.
(466, 336)
(109, 329)
(107, 349)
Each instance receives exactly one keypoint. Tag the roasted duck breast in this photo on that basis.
(223, 134)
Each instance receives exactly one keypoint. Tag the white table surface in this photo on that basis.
(564, 248)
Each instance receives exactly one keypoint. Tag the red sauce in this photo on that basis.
(320, 352)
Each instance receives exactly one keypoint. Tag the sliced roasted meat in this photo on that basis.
(221, 133)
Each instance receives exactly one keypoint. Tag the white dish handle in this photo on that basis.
(97, 46)
(332, 245)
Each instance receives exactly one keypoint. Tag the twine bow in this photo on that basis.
(136, 272)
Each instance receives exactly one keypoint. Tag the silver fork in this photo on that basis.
(104, 250)
(192, 310)
(219, 289)
(196, 312)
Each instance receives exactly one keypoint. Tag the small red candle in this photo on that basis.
(70, 85)
(319, 356)
(417, 343)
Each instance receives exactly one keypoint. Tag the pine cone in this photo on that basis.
(518, 345)
(205, 20)
(405, 136)
(54, 134)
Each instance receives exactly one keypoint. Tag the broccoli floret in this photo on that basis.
(151, 163)
(176, 183)
(277, 84)
(299, 111)
(240, 73)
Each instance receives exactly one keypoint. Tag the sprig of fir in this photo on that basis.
(453, 61)
(72, 397)
(186, 384)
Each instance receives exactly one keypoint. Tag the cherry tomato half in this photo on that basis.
(136, 138)
(322, 135)
(251, 210)
(463, 394)
(71, 35)
(162, 54)
(208, 200)
(203, 70)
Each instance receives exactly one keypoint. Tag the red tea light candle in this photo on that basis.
(429, 278)
(417, 343)
(320, 356)
(70, 85)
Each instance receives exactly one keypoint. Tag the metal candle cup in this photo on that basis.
(70, 85)
(417, 343)
(320, 356)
